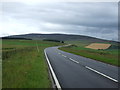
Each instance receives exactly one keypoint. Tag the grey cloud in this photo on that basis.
(90, 14)
(79, 18)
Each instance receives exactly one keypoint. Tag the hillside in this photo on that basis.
(61, 37)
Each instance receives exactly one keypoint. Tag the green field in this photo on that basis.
(108, 56)
(23, 66)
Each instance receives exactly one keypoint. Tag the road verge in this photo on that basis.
(56, 82)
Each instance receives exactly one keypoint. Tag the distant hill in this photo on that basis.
(60, 37)
(16, 38)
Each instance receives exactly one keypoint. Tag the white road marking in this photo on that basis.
(73, 60)
(53, 74)
(64, 56)
(93, 70)
(59, 53)
(101, 74)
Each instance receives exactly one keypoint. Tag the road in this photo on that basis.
(73, 71)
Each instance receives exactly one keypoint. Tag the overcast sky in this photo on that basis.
(91, 19)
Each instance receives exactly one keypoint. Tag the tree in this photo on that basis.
(62, 42)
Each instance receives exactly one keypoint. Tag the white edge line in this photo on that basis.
(101, 74)
(53, 74)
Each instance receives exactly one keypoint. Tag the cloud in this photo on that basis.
(90, 18)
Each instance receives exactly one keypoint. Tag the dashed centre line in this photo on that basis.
(73, 60)
(101, 74)
(64, 56)
(70, 58)
(92, 69)
(59, 53)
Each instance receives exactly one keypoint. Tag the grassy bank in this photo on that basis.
(108, 56)
(23, 65)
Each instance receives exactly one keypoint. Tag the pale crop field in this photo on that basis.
(104, 52)
(98, 46)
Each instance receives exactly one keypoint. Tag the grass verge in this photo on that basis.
(106, 56)
(23, 66)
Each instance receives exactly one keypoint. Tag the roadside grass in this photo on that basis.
(0, 63)
(23, 66)
(109, 56)
(78, 43)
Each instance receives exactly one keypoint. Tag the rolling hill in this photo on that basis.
(61, 37)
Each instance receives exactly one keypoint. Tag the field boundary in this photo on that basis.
(56, 82)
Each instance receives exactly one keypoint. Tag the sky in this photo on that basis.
(95, 19)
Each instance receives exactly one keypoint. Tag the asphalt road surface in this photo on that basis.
(73, 71)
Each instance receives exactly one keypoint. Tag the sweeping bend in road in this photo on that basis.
(73, 71)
